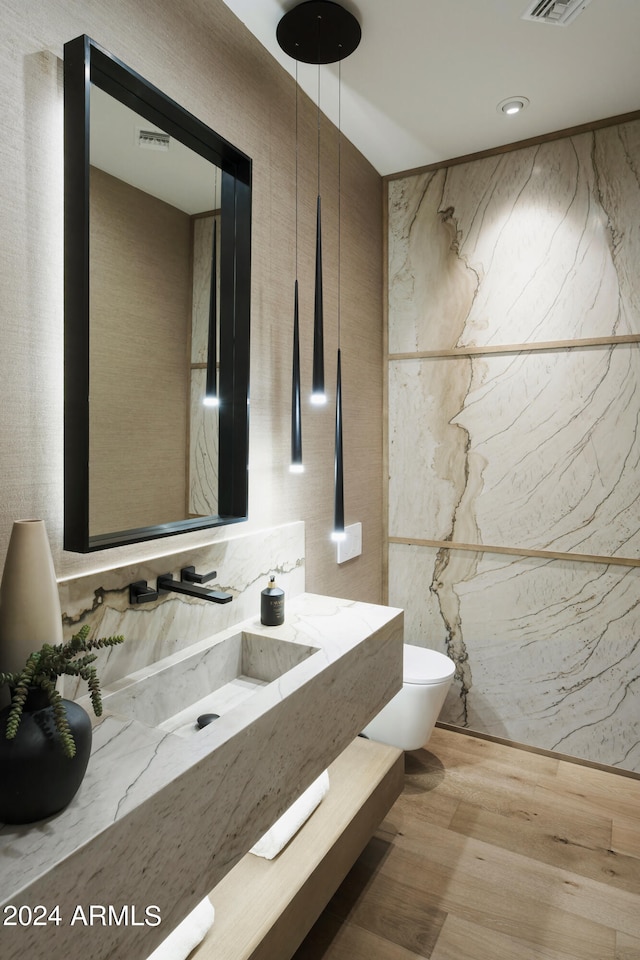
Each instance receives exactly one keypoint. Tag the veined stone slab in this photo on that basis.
(546, 651)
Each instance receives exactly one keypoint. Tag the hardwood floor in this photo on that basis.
(493, 852)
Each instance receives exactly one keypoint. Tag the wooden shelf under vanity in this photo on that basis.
(265, 908)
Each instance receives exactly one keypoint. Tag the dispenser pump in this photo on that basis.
(272, 604)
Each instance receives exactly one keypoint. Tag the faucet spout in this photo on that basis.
(166, 582)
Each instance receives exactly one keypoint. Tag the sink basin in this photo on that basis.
(212, 678)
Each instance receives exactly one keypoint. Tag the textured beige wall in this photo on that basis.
(201, 55)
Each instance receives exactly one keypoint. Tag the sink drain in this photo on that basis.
(206, 718)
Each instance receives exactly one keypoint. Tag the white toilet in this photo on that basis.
(407, 721)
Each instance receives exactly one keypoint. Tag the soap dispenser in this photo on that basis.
(272, 604)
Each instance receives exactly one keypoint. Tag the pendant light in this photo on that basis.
(296, 465)
(318, 32)
(318, 395)
(211, 390)
(321, 32)
(338, 532)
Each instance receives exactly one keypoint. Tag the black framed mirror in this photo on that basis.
(151, 299)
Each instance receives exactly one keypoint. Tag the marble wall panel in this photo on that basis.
(536, 451)
(547, 652)
(535, 245)
(203, 450)
(202, 246)
(427, 449)
(155, 630)
(202, 483)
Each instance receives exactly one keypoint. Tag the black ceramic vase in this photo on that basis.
(37, 778)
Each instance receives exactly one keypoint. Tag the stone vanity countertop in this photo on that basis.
(131, 762)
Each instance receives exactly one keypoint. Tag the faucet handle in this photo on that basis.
(189, 574)
(141, 592)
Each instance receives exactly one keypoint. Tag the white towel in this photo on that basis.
(187, 935)
(292, 819)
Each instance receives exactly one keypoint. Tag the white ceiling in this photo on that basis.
(424, 83)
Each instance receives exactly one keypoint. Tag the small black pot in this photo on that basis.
(38, 778)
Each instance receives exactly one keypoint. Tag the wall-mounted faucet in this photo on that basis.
(189, 585)
(141, 592)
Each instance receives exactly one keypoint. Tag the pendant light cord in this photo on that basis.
(296, 211)
(318, 127)
(339, 186)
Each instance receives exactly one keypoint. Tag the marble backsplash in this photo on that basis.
(524, 450)
(162, 627)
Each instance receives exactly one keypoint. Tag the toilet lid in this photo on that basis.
(426, 666)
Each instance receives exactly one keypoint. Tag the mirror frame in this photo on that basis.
(85, 62)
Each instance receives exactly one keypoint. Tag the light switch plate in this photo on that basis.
(351, 546)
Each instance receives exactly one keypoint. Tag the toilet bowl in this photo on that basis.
(407, 721)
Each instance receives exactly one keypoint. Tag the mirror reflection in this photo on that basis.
(157, 311)
(153, 204)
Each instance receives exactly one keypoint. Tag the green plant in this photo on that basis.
(42, 669)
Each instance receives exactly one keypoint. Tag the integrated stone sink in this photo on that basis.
(214, 678)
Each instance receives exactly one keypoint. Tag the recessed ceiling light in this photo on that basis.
(512, 105)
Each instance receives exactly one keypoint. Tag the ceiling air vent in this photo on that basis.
(153, 139)
(558, 12)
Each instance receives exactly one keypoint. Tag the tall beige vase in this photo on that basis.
(29, 601)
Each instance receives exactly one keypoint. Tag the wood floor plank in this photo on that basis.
(627, 948)
(505, 892)
(482, 775)
(332, 939)
(617, 794)
(459, 938)
(390, 909)
(469, 750)
(517, 875)
(625, 836)
(550, 795)
(423, 773)
(580, 844)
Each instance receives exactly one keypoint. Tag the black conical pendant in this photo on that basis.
(318, 324)
(211, 390)
(338, 513)
(296, 414)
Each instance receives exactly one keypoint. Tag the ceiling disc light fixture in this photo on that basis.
(318, 31)
(512, 105)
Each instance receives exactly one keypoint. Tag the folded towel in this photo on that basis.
(292, 819)
(187, 935)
